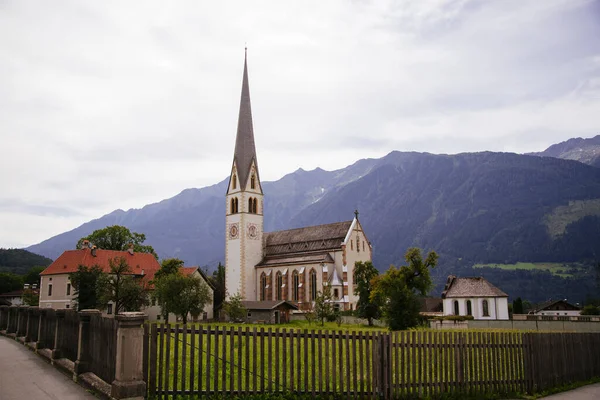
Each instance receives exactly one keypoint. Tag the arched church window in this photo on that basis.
(351, 244)
(234, 182)
(336, 294)
(255, 206)
(313, 285)
(279, 283)
(357, 244)
(486, 308)
(250, 205)
(263, 287)
(295, 283)
(456, 309)
(236, 205)
(253, 182)
(469, 308)
(232, 205)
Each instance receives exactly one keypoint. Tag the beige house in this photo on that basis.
(291, 265)
(557, 308)
(476, 297)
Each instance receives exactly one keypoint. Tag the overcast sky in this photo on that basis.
(117, 104)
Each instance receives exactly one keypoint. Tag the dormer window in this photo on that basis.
(253, 182)
(234, 182)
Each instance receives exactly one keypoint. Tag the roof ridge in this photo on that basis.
(308, 227)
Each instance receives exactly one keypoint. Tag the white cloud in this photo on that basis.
(113, 104)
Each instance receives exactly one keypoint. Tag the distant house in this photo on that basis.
(556, 307)
(268, 312)
(431, 306)
(14, 298)
(474, 296)
(56, 290)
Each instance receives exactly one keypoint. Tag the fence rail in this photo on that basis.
(240, 360)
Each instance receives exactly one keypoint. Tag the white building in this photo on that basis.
(476, 297)
(558, 308)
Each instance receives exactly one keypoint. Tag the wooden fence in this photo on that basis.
(241, 360)
(103, 346)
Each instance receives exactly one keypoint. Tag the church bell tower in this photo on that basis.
(244, 208)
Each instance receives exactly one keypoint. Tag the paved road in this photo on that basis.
(589, 392)
(25, 376)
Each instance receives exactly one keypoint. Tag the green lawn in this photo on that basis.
(557, 269)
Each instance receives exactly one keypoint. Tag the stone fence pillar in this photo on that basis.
(129, 376)
(41, 337)
(83, 348)
(3, 318)
(11, 323)
(58, 334)
(23, 312)
(31, 313)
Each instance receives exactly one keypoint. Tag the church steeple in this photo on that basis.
(245, 151)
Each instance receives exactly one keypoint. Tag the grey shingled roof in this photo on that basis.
(470, 287)
(310, 238)
(245, 151)
(267, 305)
(295, 259)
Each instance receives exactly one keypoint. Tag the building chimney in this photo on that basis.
(85, 244)
(93, 251)
(34, 286)
(130, 249)
(26, 286)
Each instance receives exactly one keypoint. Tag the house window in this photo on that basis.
(109, 308)
(456, 309)
(67, 305)
(234, 183)
(486, 308)
(279, 283)
(263, 287)
(469, 308)
(295, 283)
(49, 290)
(68, 289)
(252, 182)
(313, 284)
(249, 314)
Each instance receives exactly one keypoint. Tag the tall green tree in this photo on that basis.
(397, 291)
(182, 295)
(364, 274)
(120, 287)
(517, 306)
(31, 298)
(32, 276)
(323, 307)
(234, 308)
(85, 287)
(218, 281)
(168, 266)
(117, 237)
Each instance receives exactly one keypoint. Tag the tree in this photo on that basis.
(32, 276)
(590, 309)
(85, 290)
(323, 307)
(364, 274)
(396, 292)
(518, 306)
(117, 237)
(31, 298)
(10, 282)
(218, 281)
(182, 295)
(168, 266)
(120, 287)
(234, 308)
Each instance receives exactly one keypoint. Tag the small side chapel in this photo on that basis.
(291, 265)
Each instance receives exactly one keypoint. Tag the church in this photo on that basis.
(291, 265)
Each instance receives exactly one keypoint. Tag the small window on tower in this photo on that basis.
(234, 183)
(252, 182)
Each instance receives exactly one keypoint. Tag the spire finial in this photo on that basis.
(356, 213)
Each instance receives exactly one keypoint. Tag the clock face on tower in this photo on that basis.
(252, 231)
(234, 231)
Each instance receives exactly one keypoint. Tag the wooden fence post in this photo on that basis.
(82, 364)
(459, 361)
(129, 376)
(58, 334)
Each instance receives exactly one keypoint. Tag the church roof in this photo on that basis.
(313, 258)
(307, 239)
(245, 151)
(470, 287)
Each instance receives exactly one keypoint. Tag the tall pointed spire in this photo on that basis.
(245, 151)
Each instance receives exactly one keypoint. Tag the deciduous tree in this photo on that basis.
(126, 291)
(397, 290)
(117, 237)
(84, 283)
(364, 274)
(234, 308)
(182, 295)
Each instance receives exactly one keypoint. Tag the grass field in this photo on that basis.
(558, 269)
(254, 358)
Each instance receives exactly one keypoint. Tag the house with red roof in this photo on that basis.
(56, 290)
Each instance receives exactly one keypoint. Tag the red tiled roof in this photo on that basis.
(188, 271)
(68, 262)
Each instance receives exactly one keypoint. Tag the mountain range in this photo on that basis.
(471, 208)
